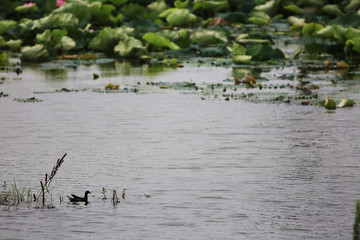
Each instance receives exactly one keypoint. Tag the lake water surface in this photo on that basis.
(214, 169)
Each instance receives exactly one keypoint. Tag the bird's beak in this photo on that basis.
(90, 192)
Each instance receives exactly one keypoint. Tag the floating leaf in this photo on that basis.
(36, 53)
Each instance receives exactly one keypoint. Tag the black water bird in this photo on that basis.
(75, 198)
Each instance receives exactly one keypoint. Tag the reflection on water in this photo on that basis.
(214, 169)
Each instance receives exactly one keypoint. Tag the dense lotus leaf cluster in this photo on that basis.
(42, 30)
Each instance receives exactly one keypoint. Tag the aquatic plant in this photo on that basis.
(115, 199)
(47, 181)
(103, 192)
(15, 195)
(356, 229)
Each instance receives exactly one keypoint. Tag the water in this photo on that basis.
(214, 169)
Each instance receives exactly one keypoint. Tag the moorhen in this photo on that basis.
(75, 198)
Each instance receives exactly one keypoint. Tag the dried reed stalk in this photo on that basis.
(115, 199)
(50, 178)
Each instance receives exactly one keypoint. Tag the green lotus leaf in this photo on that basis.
(312, 3)
(3, 43)
(339, 33)
(118, 3)
(354, 5)
(106, 39)
(3, 57)
(132, 10)
(95, 7)
(296, 21)
(311, 29)
(293, 8)
(269, 7)
(263, 52)
(167, 12)
(237, 49)
(103, 15)
(130, 47)
(67, 44)
(157, 7)
(49, 37)
(63, 20)
(78, 8)
(352, 33)
(260, 14)
(352, 44)
(180, 37)
(181, 4)
(326, 32)
(14, 45)
(207, 37)
(258, 20)
(27, 8)
(242, 59)
(36, 53)
(331, 9)
(180, 17)
(159, 41)
(6, 25)
(211, 6)
(347, 19)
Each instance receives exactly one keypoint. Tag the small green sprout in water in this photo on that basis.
(123, 194)
(103, 193)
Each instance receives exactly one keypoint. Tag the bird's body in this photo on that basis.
(74, 198)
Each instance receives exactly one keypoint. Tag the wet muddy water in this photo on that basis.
(214, 169)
